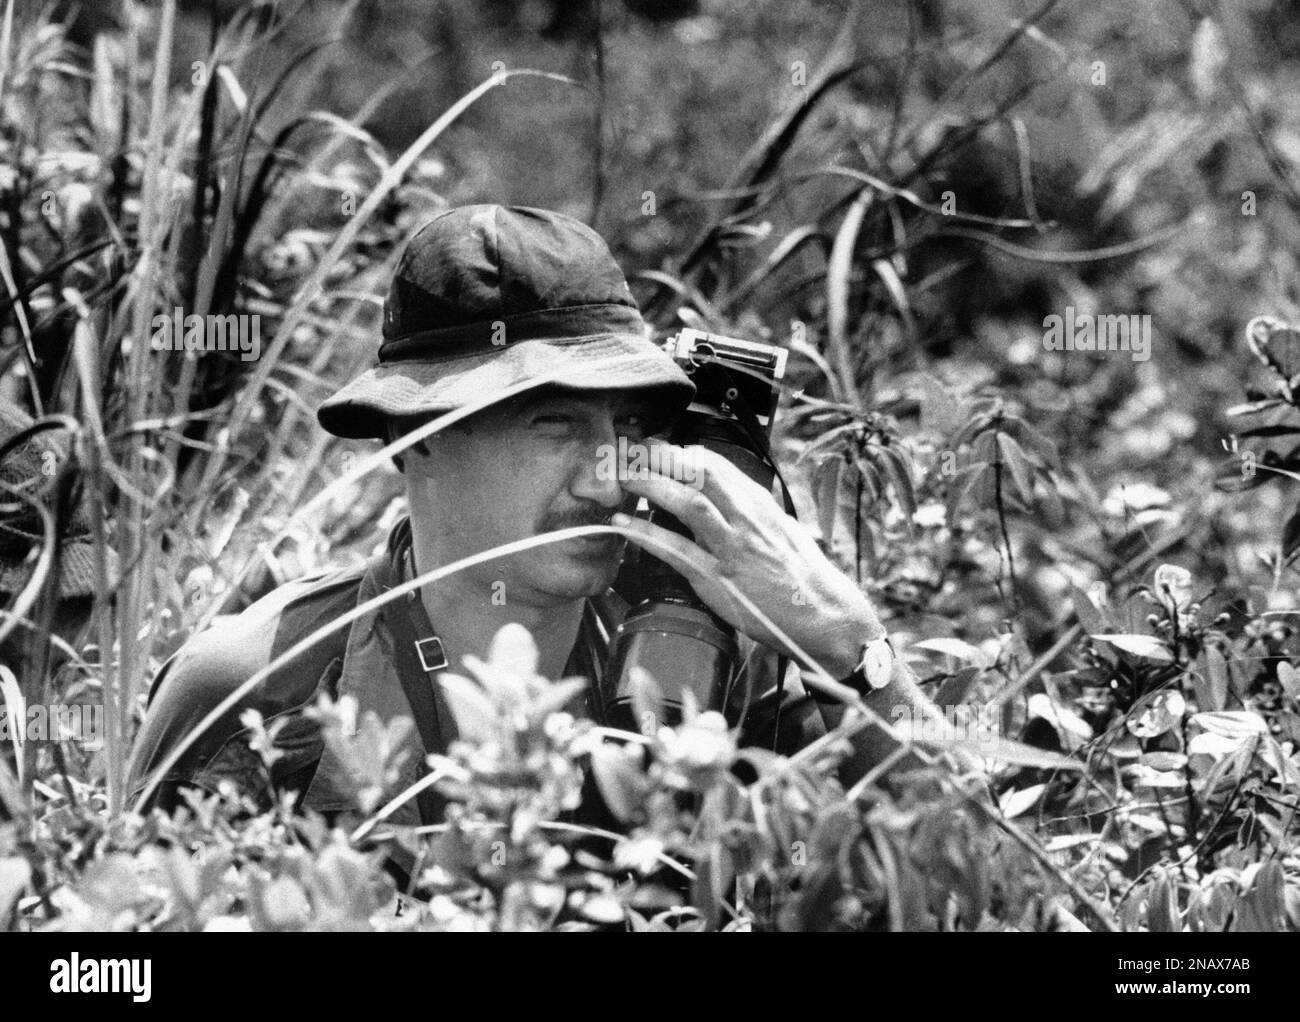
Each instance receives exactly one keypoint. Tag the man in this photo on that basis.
(522, 315)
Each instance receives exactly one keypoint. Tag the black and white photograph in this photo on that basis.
(745, 466)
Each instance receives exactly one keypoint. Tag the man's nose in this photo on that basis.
(596, 478)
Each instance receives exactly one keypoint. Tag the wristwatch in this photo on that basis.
(875, 667)
(874, 670)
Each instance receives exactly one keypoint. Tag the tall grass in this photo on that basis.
(186, 455)
(172, 202)
(162, 190)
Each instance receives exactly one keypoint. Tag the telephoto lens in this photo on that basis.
(669, 632)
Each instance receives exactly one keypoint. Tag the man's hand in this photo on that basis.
(743, 536)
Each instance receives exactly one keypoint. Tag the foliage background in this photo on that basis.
(900, 192)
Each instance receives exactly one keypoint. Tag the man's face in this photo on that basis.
(534, 464)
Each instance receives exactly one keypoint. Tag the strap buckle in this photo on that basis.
(435, 653)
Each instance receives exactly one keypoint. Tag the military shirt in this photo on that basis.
(358, 659)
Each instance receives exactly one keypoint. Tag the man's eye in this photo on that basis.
(633, 424)
(553, 420)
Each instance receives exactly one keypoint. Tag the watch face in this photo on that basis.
(878, 662)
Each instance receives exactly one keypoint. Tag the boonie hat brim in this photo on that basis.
(615, 361)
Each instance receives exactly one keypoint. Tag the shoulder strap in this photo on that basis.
(407, 623)
(433, 722)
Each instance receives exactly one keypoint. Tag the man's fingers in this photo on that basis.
(689, 505)
(694, 562)
(698, 467)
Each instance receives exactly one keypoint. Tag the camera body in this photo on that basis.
(669, 632)
(728, 372)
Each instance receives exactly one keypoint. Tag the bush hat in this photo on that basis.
(490, 299)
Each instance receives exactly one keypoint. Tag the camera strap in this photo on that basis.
(419, 657)
(749, 423)
(416, 665)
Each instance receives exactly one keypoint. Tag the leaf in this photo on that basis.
(899, 470)
(1162, 906)
(1013, 803)
(1005, 750)
(1231, 723)
(14, 876)
(1143, 776)
(1124, 746)
(963, 486)
(1212, 682)
(885, 270)
(1034, 443)
(956, 648)
(1022, 473)
(283, 905)
(1232, 475)
(1215, 746)
(1288, 774)
(514, 651)
(714, 874)
(1252, 407)
(869, 479)
(1154, 714)
(1289, 679)
(1162, 760)
(1173, 585)
(1151, 824)
(1263, 907)
(985, 447)
(1065, 841)
(979, 421)
(1240, 677)
(1270, 431)
(1278, 348)
(640, 924)
(1088, 613)
(603, 908)
(827, 439)
(1209, 57)
(476, 717)
(942, 409)
(1061, 718)
(1291, 535)
(557, 697)
(622, 785)
(827, 484)
(762, 760)
(953, 689)
(1147, 646)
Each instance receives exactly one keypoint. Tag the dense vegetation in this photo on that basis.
(1088, 556)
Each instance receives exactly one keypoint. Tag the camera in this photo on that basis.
(669, 632)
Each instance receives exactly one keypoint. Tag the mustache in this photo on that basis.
(574, 518)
